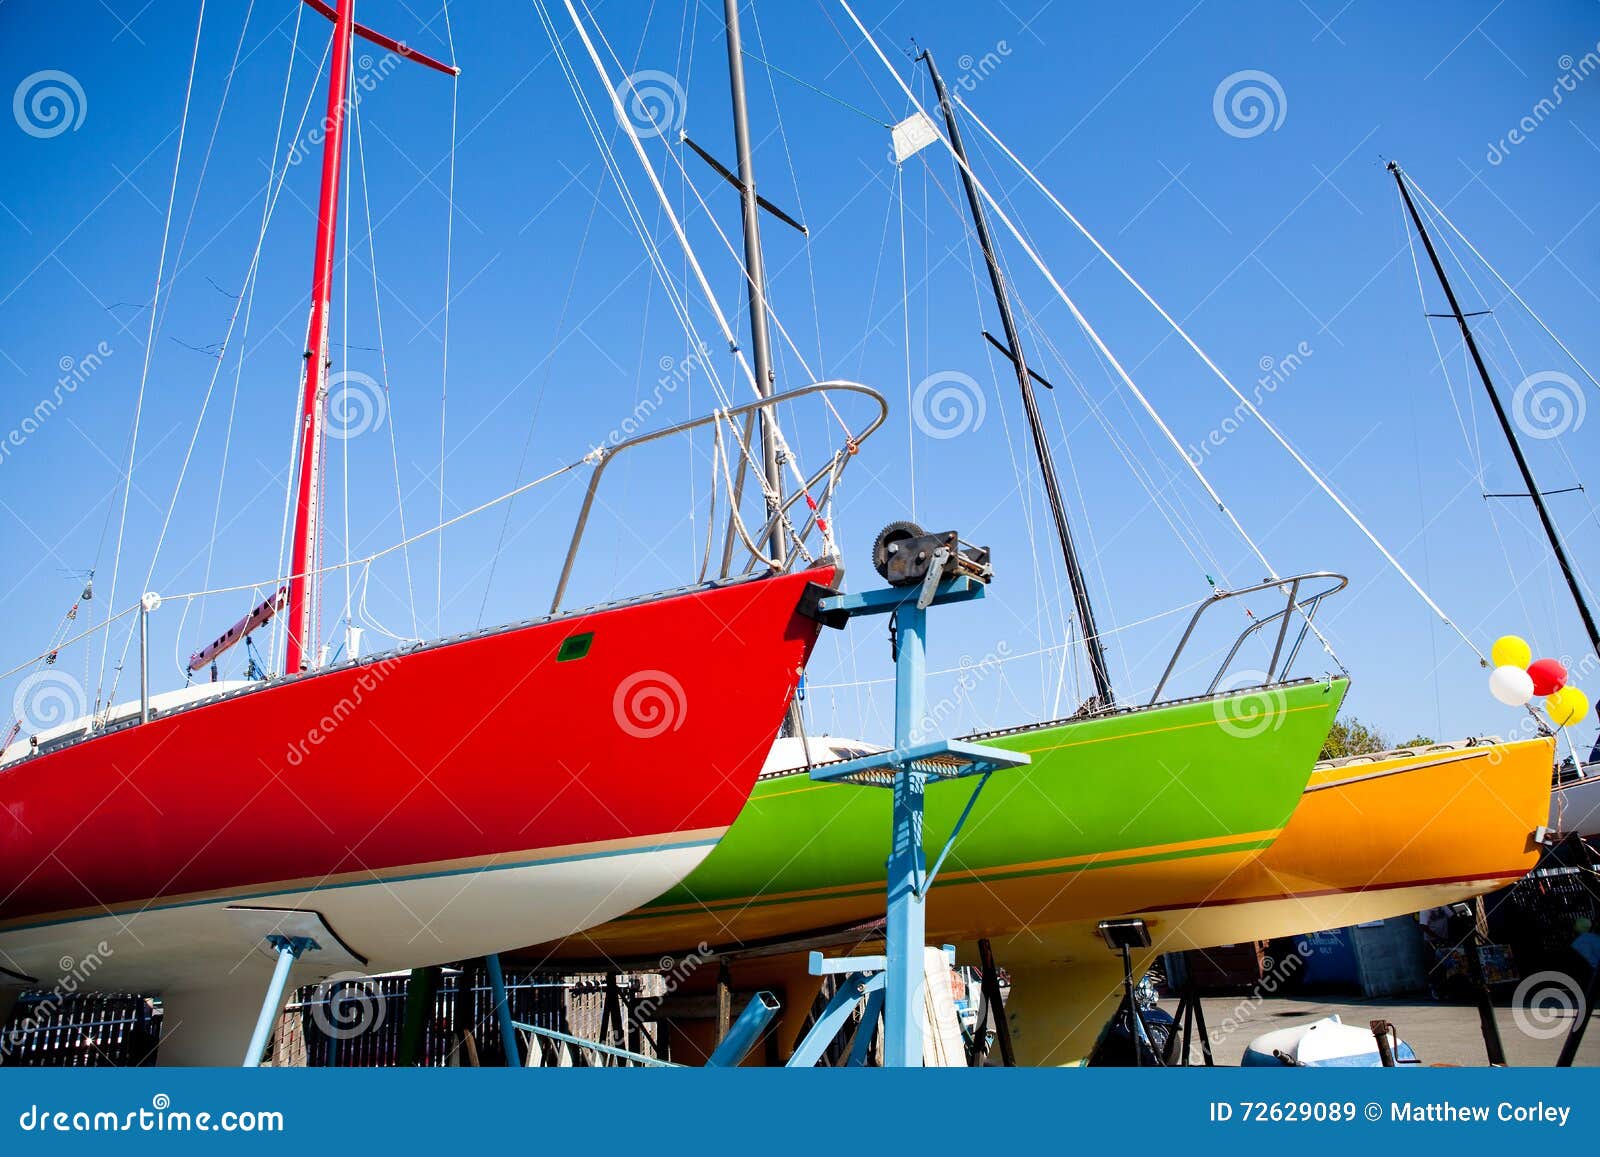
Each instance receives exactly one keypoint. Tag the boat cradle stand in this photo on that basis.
(906, 770)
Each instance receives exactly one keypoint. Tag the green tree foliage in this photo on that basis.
(1350, 736)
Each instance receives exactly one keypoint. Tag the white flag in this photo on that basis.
(912, 135)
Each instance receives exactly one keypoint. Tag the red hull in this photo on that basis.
(451, 755)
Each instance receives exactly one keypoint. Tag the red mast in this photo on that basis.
(314, 376)
(297, 593)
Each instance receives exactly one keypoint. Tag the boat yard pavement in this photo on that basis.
(1441, 1034)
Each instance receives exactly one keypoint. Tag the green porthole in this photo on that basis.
(575, 647)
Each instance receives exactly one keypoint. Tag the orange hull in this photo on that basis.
(1373, 838)
(1383, 837)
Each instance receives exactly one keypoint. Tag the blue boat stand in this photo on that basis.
(906, 769)
(502, 1008)
(741, 1038)
(289, 949)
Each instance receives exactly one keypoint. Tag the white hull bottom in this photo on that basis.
(1300, 915)
(210, 962)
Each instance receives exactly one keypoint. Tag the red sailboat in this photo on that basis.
(443, 801)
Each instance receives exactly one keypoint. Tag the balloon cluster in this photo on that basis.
(1517, 678)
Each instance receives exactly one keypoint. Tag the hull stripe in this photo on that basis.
(1252, 842)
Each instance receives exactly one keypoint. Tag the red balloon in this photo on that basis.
(1548, 675)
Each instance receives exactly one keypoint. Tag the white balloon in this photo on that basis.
(1511, 685)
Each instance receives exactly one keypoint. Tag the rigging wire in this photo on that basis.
(1060, 623)
(150, 340)
(1094, 336)
(1553, 594)
(1310, 471)
(364, 561)
(794, 184)
(444, 358)
(678, 302)
(1469, 429)
(1081, 515)
(822, 92)
(1491, 353)
(727, 242)
(1506, 285)
(905, 316)
(383, 364)
(205, 161)
(247, 296)
(717, 312)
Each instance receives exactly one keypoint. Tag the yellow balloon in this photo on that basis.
(1511, 651)
(1567, 706)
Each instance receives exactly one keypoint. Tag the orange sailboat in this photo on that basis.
(1374, 836)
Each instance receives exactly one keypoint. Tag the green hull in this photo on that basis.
(1115, 813)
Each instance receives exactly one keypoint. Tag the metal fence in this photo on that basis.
(360, 1021)
(347, 1022)
(90, 1030)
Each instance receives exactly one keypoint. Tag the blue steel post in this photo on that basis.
(289, 949)
(913, 761)
(906, 918)
(742, 1037)
(502, 1008)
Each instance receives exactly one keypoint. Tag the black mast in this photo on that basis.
(1500, 413)
(1041, 444)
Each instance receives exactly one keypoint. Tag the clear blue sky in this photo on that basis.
(1285, 240)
